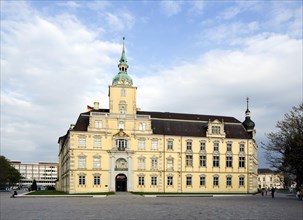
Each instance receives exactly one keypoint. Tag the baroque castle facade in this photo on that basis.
(125, 149)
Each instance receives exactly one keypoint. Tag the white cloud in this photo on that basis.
(120, 21)
(69, 4)
(171, 8)
(50, 69)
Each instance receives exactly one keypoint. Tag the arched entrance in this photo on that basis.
(121, 183)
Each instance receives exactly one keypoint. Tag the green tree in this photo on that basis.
(284, 150)
(34, 185)
(9, 175)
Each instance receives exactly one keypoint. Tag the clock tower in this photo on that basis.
(122, 93)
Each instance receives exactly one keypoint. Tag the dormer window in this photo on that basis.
(215, 129)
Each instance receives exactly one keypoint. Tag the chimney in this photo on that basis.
(96, 105)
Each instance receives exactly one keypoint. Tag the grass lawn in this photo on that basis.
(47, 192)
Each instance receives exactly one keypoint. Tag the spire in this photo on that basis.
(122, 78)
(248, 123)
(123, 59)
(247, 112)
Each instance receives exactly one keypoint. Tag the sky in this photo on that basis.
(201, 57)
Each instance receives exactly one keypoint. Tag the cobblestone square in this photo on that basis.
(128, 206)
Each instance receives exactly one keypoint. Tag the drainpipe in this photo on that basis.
(181, 166)
(164, 160)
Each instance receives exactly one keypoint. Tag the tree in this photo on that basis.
(284, 150)
(9, 175)
(34, 185)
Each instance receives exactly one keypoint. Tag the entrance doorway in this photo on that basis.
(121, 183)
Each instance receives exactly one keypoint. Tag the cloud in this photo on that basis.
(120, 21)
(171, 8)
(50, 69)
(69, 4)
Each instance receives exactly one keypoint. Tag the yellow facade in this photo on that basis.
(125, 149)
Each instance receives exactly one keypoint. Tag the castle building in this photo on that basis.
(125, 149)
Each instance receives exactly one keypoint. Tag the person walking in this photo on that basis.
(273, 189)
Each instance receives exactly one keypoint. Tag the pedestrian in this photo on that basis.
(14, 194)
(273, 189)
(266, 189)
(262, 191)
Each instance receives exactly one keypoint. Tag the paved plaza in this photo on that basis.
(128, 206)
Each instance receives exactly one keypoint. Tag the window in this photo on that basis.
(141, 145)
(216, 146)
(241, 181)
(170, 164)
(216, 161)
(241, 147)
(154, 164)
(154, 144)
(122, 109)
(215, 129)
(121, 125)
(142, 126)
(82, 141)
(228, 181)
(81, 180)
(82, 162)
(188, 145)
(216, 181)
(98, 124)
(97, 142)
(170, 145)
(97, 180)
(121, 144)
(263, 178)
(202, 146)
(123, 92)
(141, 181)
(202, 180)
(189, 160)
(242, 162)
(141, 163)
(153, 180)
(202, 160)
(229, 161)
(228, 147)
(170, 180)
(188, 181)
(97, 163)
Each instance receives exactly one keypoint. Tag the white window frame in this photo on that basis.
(141, 163)
(229, 161)
(82, 162)
(154, 144)
(97, 142)
(97, 180)
(142, 126)
(141, 144)
(81, 141)
(170, 180)
(97, 162)
(202, 160)
(98, 124)
(170, 145)
(82, 180)
(154, 163)
(216, 161)
(154, 180)
(141, 180)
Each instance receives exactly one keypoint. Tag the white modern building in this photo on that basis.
(45, 173)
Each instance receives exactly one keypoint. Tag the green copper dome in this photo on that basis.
(122, 78)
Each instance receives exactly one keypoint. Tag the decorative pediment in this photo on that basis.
(121, 133)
